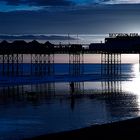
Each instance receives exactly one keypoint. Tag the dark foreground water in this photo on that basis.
(32, 106)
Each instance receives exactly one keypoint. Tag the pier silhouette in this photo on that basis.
(42, 59)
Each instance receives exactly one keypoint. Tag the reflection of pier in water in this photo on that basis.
(111, 86)
(46, 93)
(37, 93)
(40, 90)
(27, 92)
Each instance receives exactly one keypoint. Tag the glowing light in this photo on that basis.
(134, 85)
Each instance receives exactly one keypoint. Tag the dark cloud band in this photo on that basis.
(66, 2)
(39, 2)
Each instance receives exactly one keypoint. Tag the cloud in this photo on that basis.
(78, 3)
(39, 2)
(121, 2)
(100, 19)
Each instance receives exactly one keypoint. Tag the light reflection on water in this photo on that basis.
(133, 86)
(47, 108)
(35, 109)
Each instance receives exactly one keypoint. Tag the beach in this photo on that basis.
(125, 129)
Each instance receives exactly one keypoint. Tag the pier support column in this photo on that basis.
(11, 64)
(34, 64)
(111, 72)
(6, 67)
(19, 62)
(6, 64)
(50, 64)
(76, 64)
(42, 64)
(110, 64)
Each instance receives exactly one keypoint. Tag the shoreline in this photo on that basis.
(125, 129)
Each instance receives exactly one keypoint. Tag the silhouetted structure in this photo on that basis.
(42, 55)
(31, 93)
(124, 44)
(119, 44)
(110, 64)
(76, 59)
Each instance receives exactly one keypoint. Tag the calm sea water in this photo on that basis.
(32, 106)
(63, 68)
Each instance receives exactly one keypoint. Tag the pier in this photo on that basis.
(42, 56)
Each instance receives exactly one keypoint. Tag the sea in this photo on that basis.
(33, 105)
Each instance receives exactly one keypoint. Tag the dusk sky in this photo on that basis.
(69, 16)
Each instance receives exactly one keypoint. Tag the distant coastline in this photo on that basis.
(35, 37)
(56, 38)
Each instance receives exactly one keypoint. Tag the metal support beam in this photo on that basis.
(110, 64)
(42, 64)
(76, 64)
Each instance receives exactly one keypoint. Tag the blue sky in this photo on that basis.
(69, 16)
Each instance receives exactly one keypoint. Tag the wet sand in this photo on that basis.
(127, 129)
